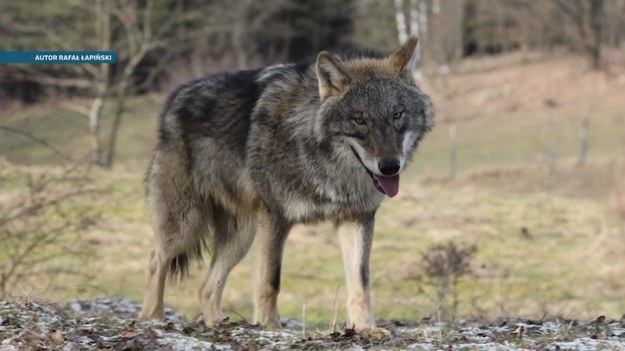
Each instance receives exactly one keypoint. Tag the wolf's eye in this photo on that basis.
(398, 114)
(359, 120)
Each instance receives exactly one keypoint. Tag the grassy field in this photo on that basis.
(548, 234)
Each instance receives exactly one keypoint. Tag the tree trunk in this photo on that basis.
(423, 17)
(103, 30)
(583, 142)
(239, 34)
(414, 25)
(459, 37)
(94, 129)
(400, 19)
(123, 89)
(453, 141)
(596, 24)
(117, 121)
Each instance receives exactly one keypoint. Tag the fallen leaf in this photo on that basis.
(57, 337)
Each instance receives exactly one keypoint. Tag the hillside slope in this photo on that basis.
(549, 235)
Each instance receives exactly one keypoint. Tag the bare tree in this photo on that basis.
(144, 34)
(447, 30)
(86, 77)
(586, 19)
(135, 30)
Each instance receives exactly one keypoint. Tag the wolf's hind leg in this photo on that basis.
(180, 236)
(271, 238)
(156, 274)
(232, 239)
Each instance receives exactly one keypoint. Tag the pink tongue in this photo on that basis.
(389, 185)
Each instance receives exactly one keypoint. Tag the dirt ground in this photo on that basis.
(108, 324)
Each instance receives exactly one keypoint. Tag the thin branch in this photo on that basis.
(41, 142)
(43, 204)
(131, 33)
(147, 20)
(54, 81)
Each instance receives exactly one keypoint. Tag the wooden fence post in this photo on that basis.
(453, 140)
(583, 142)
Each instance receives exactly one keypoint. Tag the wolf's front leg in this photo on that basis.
(271, 237)
(356, 239)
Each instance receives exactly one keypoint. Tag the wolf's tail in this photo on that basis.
(220, 232)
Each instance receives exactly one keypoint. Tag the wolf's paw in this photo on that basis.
(375, 333)
(272, 325)
(154, 315)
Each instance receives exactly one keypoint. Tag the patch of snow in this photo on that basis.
(118, 306)
(180, 342)
(291, 323)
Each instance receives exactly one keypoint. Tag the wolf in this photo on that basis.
(244, 156)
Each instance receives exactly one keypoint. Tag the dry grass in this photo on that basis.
(568, 265)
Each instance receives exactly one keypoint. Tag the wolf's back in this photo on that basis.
(218, 107)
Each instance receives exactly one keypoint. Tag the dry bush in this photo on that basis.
(441, 267)
(43, 216)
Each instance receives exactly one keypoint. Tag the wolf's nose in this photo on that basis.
(389, 166)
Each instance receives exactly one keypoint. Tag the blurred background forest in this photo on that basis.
(514, 205)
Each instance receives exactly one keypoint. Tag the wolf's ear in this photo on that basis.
(404, 59)
(331, 75)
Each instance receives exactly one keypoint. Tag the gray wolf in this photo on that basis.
(244, 156)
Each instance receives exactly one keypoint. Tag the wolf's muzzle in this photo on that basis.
(389, 166)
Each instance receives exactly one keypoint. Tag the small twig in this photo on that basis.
(336, 311)
(440, 323)
(304, 318)
(238, 315)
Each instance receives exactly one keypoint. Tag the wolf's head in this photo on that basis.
(373, 111)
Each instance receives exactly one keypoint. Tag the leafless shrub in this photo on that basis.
(441, 267)
(43, 217)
